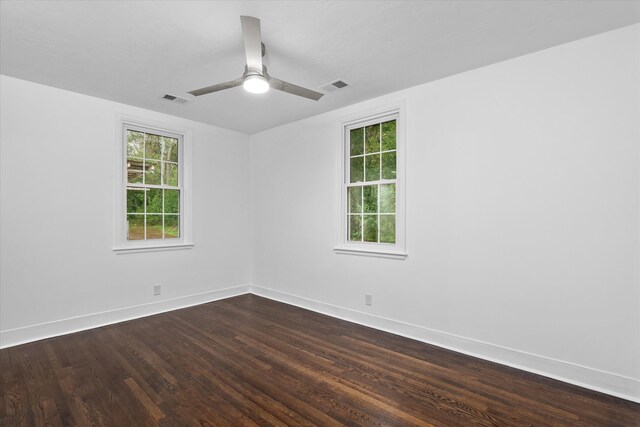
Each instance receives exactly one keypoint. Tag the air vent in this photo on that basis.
(335, 85)
(175, 99)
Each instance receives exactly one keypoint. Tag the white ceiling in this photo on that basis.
(136, 51)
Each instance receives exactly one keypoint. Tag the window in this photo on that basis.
(372, 213)
(152, 189)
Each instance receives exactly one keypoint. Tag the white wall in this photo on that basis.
(523, 192)
(523, 216)
(57, 217)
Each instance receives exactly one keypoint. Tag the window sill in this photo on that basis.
(371, 253)
(158, 248)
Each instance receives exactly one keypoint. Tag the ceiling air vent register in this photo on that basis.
(175, 99)
(335, 85)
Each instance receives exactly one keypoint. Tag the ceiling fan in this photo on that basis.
(255, 78)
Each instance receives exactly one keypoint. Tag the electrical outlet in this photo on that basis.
(157, 289)
(367, 299)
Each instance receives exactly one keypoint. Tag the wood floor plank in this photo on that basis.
(252, 361)
(343, 351)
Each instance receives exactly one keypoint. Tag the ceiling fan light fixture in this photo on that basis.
(255, 78)
(255, 84)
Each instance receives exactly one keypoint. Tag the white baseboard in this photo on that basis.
(12, 337)
(583, 376)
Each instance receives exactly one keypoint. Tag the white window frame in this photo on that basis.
(395, 250)
(122, 244)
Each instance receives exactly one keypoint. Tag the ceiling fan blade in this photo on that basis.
(252, 42)
(218, 87)
(294, 89)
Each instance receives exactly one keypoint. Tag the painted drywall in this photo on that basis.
(522, 216)
(58, 269)
(523, 188)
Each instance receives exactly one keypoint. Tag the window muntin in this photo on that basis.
(154, 192)
(371, 182)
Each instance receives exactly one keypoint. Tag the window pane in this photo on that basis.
(389, 135)
(372, 138)
(135, 225)
(372, 167)
(135, 144)
(170, 149)
(355, 228)
(370, 193)
(135, 200)
(389, 165)
(171, 226)
(387, 228)
(171, 174)
(154, 227)
(135, 171)
(152, 147)
(154, 200)
(152, 175)
(355, 199)
(153, 160)
(171, 201)
(370, 228)
(388, 198)
(356, 140)
(357, 169)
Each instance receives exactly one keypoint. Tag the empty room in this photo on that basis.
(363, 213)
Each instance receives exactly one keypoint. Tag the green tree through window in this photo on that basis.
(153, 186)
(371, 183)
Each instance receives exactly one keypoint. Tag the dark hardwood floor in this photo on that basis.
(252, 361)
